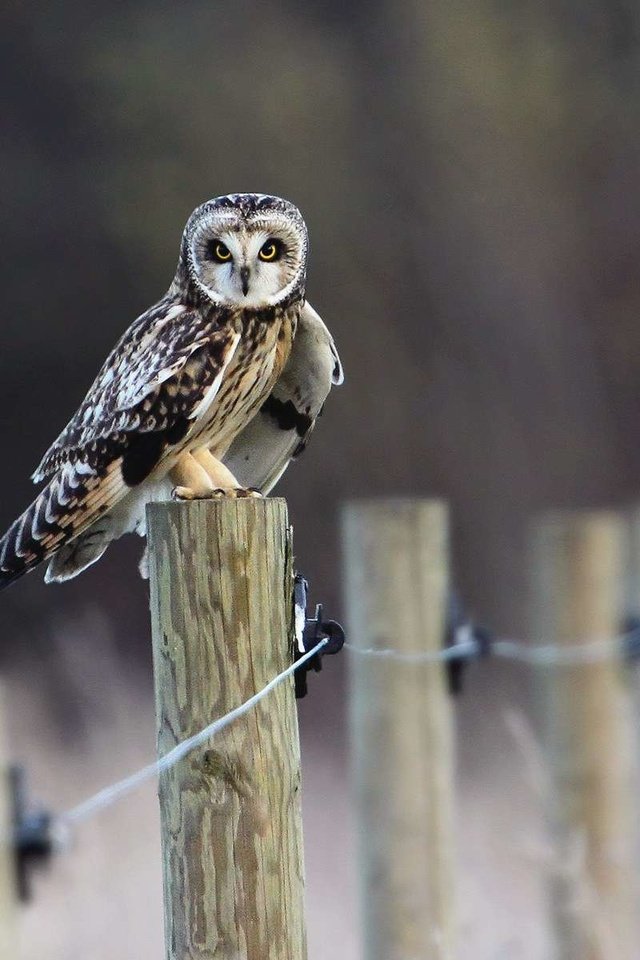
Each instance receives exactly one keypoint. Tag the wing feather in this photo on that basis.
(93, 469)
(152, 353)
(280, 430)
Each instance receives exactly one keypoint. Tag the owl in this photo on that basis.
(210, 393)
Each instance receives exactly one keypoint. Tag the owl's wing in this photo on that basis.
(280, 430)
(158, 381)
(151, 352)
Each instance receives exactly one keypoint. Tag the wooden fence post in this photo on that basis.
(578, 580)
(396, 566)
(8, 891)
(632, 580)
(221, 583)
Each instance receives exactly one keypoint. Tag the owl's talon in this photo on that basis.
(182, 493)
(188, 493)
(235, 493)
(244, 493)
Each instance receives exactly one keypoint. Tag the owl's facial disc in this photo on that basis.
(248, 262)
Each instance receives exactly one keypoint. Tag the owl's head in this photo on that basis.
(246, 250)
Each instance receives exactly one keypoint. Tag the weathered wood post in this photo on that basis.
(8, 891)
(578, 577)
(221, 584)
(632, 581)
(396, 568)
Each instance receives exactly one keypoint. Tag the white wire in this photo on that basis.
(547, 655)
(464, 650)
(537, 655)
(109, 795)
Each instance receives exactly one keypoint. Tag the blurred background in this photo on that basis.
(470, 176)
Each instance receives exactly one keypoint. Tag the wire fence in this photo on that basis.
(466, 646)
(109, 795)
(583, 705)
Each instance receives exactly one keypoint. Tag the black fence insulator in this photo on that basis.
(32, 834)
(460, 629)
(631, 638)
(309, 633)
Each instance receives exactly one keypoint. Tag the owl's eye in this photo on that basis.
(218, 251)
(271, 250)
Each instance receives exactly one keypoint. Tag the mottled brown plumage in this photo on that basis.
(177, 390)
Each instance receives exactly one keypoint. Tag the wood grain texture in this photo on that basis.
(221, 582)
(8, 893)
(396, 572)
(578, 569)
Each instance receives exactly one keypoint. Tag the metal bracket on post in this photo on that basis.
(631, 638)
(309, 633)
(460, 630)
(33, 834)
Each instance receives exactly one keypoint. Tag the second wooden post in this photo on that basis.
(396, 567)
(230, 812)
(578, 577)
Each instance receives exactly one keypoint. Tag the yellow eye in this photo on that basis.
(271, 250)
(219, 251)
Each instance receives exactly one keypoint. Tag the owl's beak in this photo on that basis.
(244, 279)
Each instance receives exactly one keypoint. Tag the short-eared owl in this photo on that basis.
(209, 393)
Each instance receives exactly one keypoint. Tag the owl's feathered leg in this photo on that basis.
(192, 482)
(223, 480)
(220, 476)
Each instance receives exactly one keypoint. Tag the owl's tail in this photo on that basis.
(72, 502)
(36, 534)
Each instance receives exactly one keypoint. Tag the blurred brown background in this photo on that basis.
(470, 176)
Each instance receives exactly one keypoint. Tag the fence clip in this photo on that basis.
(33, 834)
(631, 638)
(309, 633)
(462, 634)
